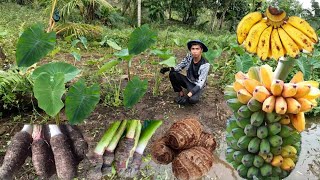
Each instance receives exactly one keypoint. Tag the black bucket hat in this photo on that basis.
(204, 47)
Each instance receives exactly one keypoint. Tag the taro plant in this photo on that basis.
(140, 40)
(49, 79)
(168, 59)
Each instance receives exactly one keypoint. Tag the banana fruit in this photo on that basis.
(275, 35)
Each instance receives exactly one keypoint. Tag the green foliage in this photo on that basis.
(33, 45)
(53, 68)
(81, 101)
(13, 86)
(48, 90)
(107, 66)
(141, 39)
(134, 91)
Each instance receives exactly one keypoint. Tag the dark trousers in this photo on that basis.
(179, 81)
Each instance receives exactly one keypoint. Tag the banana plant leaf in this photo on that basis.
(53, 68)
(48, 90)
(134, 91)
(33, 45)
(81, 101)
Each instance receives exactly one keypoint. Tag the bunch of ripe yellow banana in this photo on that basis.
(293, 98)
(274, 35)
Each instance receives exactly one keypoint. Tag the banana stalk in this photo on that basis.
(284, 68)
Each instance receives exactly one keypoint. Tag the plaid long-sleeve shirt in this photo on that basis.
(196, 73)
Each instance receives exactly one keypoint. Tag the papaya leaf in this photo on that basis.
(81, 101)
(33, 45)
(134, 91)
(305, 67)
(107, 66)
(48, 90)
(53, 68)
(141, 39)
(170, 62)
(244, 62)
(114, 45)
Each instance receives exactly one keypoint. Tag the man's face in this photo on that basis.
(196, 51)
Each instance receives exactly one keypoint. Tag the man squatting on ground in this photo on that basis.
(197, 68)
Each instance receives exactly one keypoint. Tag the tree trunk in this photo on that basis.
(2, 55)
(213, 20)
(169, 11)
(125, 6)
(222, 19)
(139, 13)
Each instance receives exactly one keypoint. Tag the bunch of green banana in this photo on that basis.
(262, 143)
(274, 34)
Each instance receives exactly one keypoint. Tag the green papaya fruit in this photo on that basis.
(262, 132)
(243, 142)
(254, 145)
(275, 140)
(266, 170)
(250, 130)
(258, 161)
(274, 128)
(247, 160)
(264, 146)
(257, 118)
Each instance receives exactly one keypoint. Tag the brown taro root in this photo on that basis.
(207, 141)
(78, 144)
(17, 152)
(160, 152)
(192, 163)
(42, 156)
(63, 156)
(184, 134)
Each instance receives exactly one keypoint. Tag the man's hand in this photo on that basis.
(183, 100)
(165, 69)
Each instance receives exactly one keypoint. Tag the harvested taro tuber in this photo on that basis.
(207, 141)
(78, 144)
(184, 134)
(42, 156)
(17, 152)
(63, 156)
(160, 152)
(192, 163)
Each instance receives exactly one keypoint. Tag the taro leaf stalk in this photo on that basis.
(149, 129)
(126, 144)
(108, 156)
(96, 157)
(167, 59)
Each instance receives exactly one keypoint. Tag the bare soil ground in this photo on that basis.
(211, 111)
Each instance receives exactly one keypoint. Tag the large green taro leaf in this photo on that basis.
(108, 65)
(34, 44)
(81, 101)
(134, 91)
(141, 39)
(170, 62)
(48, 90)
(68, 70)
